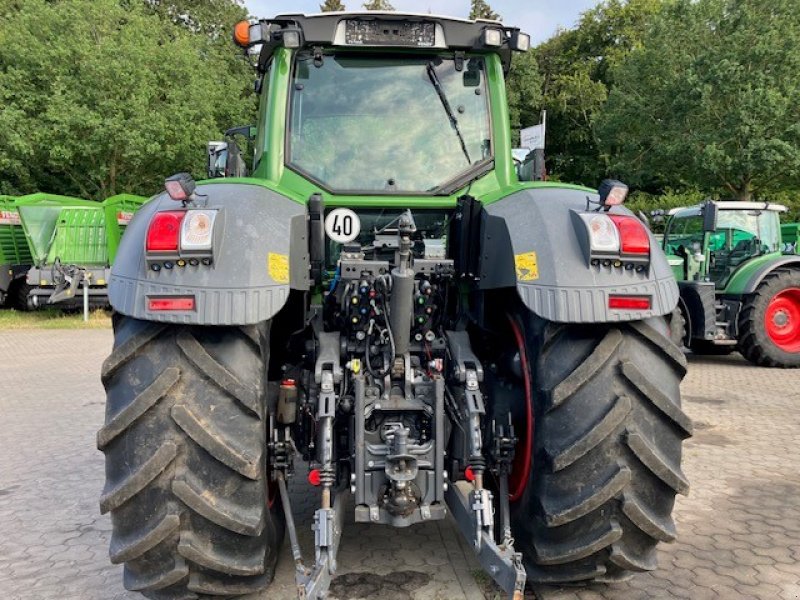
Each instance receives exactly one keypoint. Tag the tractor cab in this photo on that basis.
(715, 239)
(738, 280)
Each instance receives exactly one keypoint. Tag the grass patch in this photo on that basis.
(53, 319)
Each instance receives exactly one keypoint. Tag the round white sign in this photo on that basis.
(342, 225)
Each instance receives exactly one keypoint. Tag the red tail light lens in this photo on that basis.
(174, 303)
(164, 231)
(632, 235)
(629, 302)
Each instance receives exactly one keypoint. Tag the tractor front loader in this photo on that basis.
(383, 307)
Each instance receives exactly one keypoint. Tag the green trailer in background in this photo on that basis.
(119, 211)
(73, 241)
(15, 255)
(789, 235)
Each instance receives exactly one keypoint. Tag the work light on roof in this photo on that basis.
(521, 42)
(493, 38)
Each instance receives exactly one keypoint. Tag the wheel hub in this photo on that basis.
(783, 320)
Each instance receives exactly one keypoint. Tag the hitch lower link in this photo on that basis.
(313, 583)
(471, 504)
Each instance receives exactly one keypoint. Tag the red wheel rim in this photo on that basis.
(782, 320)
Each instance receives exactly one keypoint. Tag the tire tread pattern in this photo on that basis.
(606, 461)
(185, 444)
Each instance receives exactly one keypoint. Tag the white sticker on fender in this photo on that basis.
(342, 225)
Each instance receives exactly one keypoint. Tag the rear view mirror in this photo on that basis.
(217, 159)
(710, 212)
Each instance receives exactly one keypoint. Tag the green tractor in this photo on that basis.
(382, 306)
(739, 280)
(15, 256)
(74, 243)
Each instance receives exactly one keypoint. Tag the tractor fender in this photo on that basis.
(758, 276)
(260, 253)
(531, 239)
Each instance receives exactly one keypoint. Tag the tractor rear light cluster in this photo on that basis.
(616, 240)
(181, 237)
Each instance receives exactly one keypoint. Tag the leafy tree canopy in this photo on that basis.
(213, 17)
(480, 9)
(575, 66)
(100, 98)
(711, 99)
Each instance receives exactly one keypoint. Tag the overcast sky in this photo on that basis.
(540, 18)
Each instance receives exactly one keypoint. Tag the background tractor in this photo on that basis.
(380, 299)
(739, 280)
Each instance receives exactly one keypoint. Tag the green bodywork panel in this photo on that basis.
(40, 214)
(80, 237)
(14, 248)
(271, 171)
(737, 284)
(789, 234)
(118, 211)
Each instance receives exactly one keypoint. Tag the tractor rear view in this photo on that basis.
(739, 280)
(384, 308)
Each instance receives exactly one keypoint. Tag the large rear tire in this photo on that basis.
(186, 471)
(606, 452)
(769, 324)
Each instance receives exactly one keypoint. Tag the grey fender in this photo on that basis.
(260, 253)
(757, 277)
(531, 240)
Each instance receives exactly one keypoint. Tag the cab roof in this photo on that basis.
(381, 30)
(689, 211)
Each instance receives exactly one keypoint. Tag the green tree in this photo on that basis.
(576, 68)
(213, 17)
(378, 5)
(480, 9)
(524, 89)
(711, 100)
(332, 6)
(100, 98)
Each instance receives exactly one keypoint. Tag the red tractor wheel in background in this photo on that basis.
(769, 325)
(783, 320)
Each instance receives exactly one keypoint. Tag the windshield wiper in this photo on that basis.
(437, 85)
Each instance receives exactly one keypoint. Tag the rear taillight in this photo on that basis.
(633, 236)
(181, 303)
(197, 230)
(164, 232)
(629, 302)
(603, 235)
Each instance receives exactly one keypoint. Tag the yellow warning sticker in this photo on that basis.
(278, 267)
(527, 266)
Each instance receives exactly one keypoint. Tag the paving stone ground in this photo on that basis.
(738, 531)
